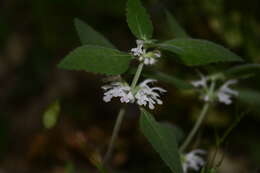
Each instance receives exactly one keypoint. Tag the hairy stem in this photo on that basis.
(121, 116)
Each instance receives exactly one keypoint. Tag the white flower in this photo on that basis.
(118, 89)
(139, 50)
(146, 95)
(225, 93)
(193, 160)
(148, 58)
(200, 83)
(141, 94)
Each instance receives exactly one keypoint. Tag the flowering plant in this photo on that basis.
(99, 55)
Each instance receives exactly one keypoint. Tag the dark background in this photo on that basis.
(36, 34)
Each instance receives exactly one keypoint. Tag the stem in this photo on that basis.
(114, 134)
(202, 116)
(195, 127)
(121, 116)
(137, 75)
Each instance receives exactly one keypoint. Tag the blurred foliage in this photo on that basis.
(36, 34)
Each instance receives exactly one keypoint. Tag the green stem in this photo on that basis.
(200, 119)
(195, 127)
(114, 134)
(121, 116)
(137, 75)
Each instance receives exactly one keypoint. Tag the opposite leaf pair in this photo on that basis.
(98, 55)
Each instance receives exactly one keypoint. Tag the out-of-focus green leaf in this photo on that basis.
(162, 139)
(96, 59)
(250, 98)
(51, 115)
(178, 133)
(89, 36)
(178, 83)
(70, 168)
(245, 69)
(138, 20)
(199, 52)
(101, 168)
(174, 26)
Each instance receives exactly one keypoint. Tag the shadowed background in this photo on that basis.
(36, 35)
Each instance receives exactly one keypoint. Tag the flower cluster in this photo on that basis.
(223, 94)
(193, 161)
(142, 94)
(148, 58)
(118, 89)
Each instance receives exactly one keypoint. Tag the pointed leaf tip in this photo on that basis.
(88, 35)
(199, 52)
(139, 20)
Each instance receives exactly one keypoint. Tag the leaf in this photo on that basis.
(175, 27)
(245, 69)
(138, 20)
(178, 83)
(250, 97)
(162, 139)
(89, 36)
(178, 133)
(96, 59)
(51, 115)
(199, 52)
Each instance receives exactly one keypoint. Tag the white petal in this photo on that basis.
(146, 61)
(225, 93)
(193, 161)
(200, 83)
(147, 81)
(152, 61)
(159, 89)
(151, 106)
(158, 55)
(146, 95)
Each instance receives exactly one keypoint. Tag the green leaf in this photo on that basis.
(178, 133)
(175, 27)
(245, 69)
(96, 59)
(199, 52)
(178, 83)
(250, 97)
(88, 35)
(138, 20)
(51, 115)
(162, 139)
